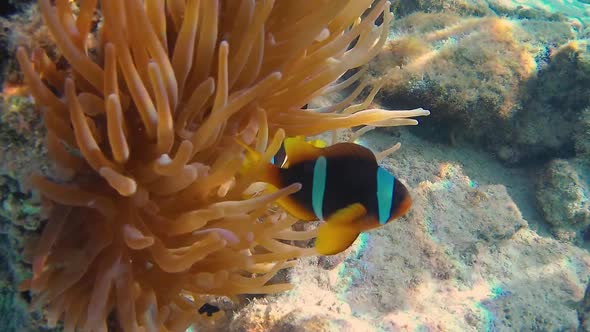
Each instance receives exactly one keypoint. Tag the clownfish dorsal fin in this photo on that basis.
(318, 143)
(298, 150)
(349, 149)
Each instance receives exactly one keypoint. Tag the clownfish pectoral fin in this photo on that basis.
(339, 232)
(335, 238)
(298, 150)
(348, 214)
(295, 209)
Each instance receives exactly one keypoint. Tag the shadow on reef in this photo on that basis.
(583, 308)
(553, 102)
(14, 17)
(10, 7)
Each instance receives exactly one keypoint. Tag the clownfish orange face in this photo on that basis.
(341, 184)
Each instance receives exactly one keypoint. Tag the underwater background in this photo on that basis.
(498, 237)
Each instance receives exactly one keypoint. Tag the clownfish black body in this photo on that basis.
(341, 184)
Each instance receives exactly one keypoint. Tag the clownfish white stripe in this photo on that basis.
(319, 186)
(385, 190)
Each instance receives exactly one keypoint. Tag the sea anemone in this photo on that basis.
(149, 210)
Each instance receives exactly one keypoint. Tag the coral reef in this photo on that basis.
(584, 310)
(21, 28)
(474, 254)
(468, 70)
(582, 135)
(463, 260)
(554, 101)
(149, 210)
(477, 7)
(10, 7)
(562, 193)
(514, 85)
(575, 12)
(17, 215)
(21, 153)
(531, 115)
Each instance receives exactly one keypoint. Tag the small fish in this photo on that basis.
(209, 309)
(341, 184)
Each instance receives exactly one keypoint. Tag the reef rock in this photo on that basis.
(21, 154)
(562, 194)
(582, 135)
(513, 79)
(577, 12)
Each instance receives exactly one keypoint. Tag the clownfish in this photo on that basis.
(341, 184)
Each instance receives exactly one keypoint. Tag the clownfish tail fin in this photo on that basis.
(261, 170)
(252, 157)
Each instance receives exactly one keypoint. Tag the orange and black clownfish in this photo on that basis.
(341, 184)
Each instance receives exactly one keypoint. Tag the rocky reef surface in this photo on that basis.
(497, 237)
(465, 259)
(514, 80)
(512, 77)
